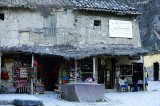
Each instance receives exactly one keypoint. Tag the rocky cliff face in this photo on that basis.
(149, 23)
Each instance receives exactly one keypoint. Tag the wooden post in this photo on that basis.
(0, 68)
(143, 75)
(94, 67)
(32, 64)
(75, 70)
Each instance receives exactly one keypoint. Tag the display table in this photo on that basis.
(21, 85)
(85, 92)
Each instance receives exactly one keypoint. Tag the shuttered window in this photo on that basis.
(50, 26)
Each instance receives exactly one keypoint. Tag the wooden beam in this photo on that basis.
(94, 67)
(143, 75)
(75, 70)
(0, 68)
(32, 64)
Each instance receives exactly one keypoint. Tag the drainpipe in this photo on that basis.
(0, 68)
(32, 64)
(94, 67)
(75, 70)
(143, 75)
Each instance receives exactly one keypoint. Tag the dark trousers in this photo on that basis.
(126, 86)
(135, 86)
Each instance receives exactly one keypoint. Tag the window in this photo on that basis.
(97, 22)
(1, 16)
(49, 26)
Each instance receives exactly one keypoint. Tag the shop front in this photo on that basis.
(76, 71)
(16, 71)
(36, 73)
(105, 70)
(111, 69)
(29, 73)
(24, 70)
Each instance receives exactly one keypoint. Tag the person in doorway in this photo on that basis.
(146, 78)
(122, 82)
(135, 80)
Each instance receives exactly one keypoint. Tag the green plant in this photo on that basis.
(101, 100)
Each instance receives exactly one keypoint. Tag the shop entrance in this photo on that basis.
(156, 71)
(139, 67)
(51, 67)
(106, 73)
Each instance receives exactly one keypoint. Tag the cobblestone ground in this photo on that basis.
(148, 98)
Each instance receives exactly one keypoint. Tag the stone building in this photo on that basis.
(69, 41)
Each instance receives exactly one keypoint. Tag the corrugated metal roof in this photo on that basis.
(113, 6)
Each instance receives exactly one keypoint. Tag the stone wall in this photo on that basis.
(18, 27)
(151, 73)
(25, 27)
(78, 29)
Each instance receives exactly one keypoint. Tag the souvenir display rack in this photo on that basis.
(72, 74)
(86, 68)
(65, 77)
(16, 73)
(21, 73)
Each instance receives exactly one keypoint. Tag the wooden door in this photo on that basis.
(156, 71)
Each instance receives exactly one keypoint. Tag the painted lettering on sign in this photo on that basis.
(119, 28)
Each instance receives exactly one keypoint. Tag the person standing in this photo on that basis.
(146, 78)
(135, 80)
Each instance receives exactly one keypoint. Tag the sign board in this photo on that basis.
(135, 58)
(126, 70)
(119, 28)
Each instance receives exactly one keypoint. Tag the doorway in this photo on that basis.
(51, 67)
(156, 71)
(106, 73)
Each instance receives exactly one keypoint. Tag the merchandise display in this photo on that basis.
(23, 72)
(16, 73)
(65, 74)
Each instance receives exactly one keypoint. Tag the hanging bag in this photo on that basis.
(4, 75)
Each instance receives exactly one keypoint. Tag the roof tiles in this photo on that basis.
(114, 6)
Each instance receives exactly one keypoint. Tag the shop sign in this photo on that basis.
(135, 58)
(119, 28)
